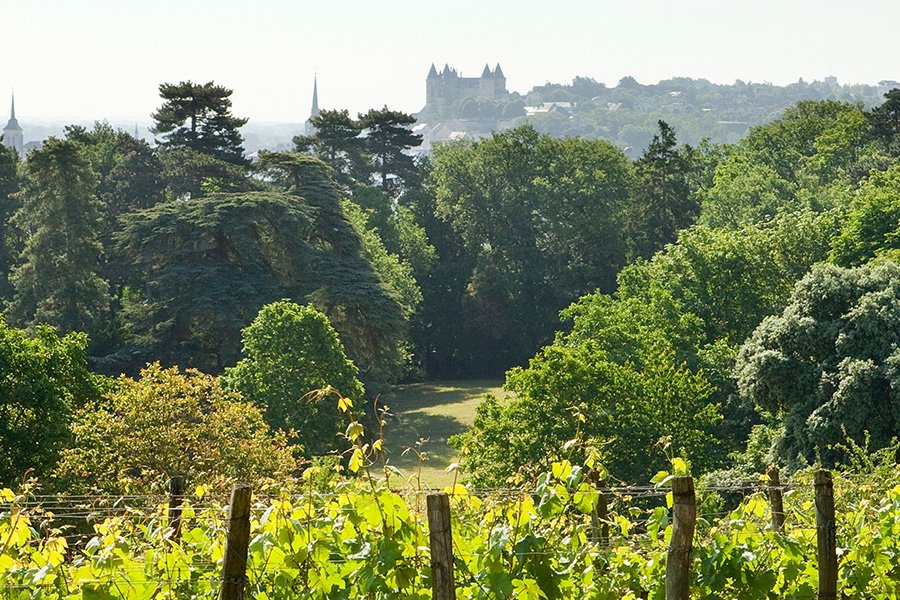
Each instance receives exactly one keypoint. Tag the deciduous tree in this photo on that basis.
(43, 379)
(291, 351)
(828, 366)
(168, 423)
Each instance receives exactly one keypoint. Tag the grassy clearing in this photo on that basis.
(432, 411)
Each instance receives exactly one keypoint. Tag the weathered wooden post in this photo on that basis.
(176, 496)
(684, 517)
(826, 535)
(776, 500)
(441, 543)
(234, 569)
(599, 516)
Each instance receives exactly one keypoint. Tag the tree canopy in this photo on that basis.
(828, 366)
(198, 117)
(167, 423)
(44, 379)
(57, 279)
(290, 352)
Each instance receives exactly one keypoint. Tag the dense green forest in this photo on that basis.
(741, 301)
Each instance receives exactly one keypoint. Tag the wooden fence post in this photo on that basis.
(678, 561)
(826, 535)
(599, 516)
(176, 496)
(234, 569)
(776, 500)
(441, 543)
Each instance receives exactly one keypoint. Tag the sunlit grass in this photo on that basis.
(432, 411)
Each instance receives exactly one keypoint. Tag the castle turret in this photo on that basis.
(12, 133)
(500, 81)
(486, 83)
(432, 87)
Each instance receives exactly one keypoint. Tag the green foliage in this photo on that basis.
(872, 225)
(57, 280)
(391, 268)
(788, 165)
(198, 117)
(165, 424)
(539, 220)
(732, 279)
(619, 373)
(43, 379)
(663, 200)
(827, 366)
(387, 139)
(204, 268)
(9, 237)
(129, 172)
(289, 352)
(337, 142)
(885, 122)
(368, 541)
(188, 173)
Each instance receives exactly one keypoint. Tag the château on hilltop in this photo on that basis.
(626, 114)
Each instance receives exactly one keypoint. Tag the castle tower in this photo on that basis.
(12, 133)
(499, 81)
(310, 129)
(432, 87)
(486, 83)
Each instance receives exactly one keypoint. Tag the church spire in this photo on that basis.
(315, 103)
(13, 123)
(12, 133)
(309, 128)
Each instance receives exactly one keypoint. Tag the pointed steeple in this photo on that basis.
(432, 73)
(13, 122)
(498, 73)
(12, 133)
(315, 102)
(487, 71)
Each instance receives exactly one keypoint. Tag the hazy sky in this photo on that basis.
(103, 59)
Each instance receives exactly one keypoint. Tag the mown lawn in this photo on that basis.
(433, 412)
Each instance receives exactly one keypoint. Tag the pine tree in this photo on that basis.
(388, 139)
(337, 143)
(198, 117)
(56, 281)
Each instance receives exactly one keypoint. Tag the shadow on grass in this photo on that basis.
(405, 430)
(418, 396)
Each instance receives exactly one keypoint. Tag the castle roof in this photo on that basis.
(432, 73)
(487, 71)
(13, 124)
(498, 72)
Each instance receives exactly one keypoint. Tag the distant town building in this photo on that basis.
(444, 88)
(12, 133)
(563, 108)
(309, 128)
